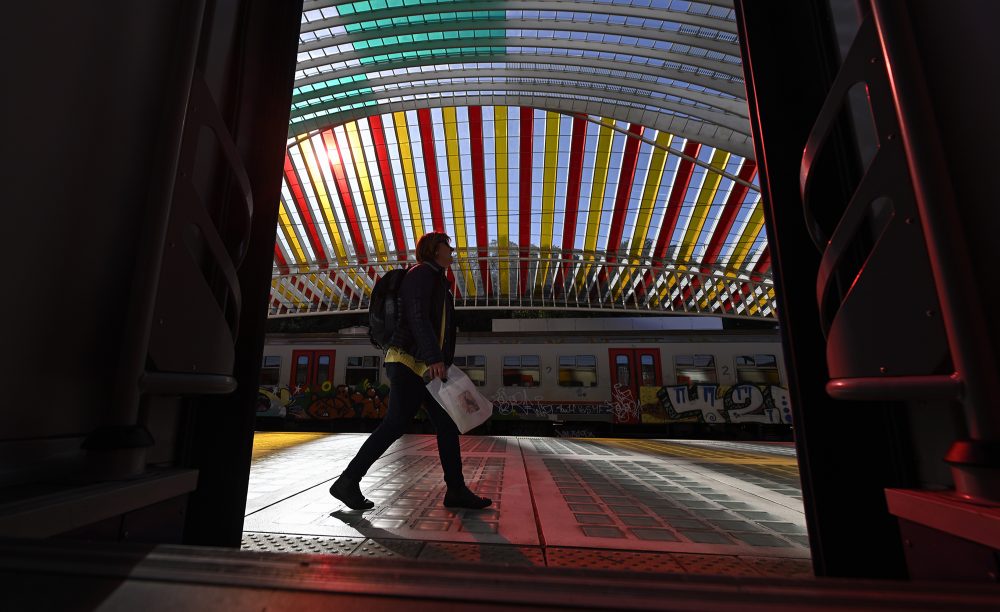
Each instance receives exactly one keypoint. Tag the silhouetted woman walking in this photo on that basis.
(423, 344)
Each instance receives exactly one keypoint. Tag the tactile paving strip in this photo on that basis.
(715, 565)
(385, 548)
(780, 568)
(785, 450)
(494, 554)
(612, 560)
(279, 542)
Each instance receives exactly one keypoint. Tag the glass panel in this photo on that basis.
(302, 370)
(695, 369)
(522, 371)
(362, 371)
(475, 367)
(647, 370)
(757, 370)
(623, 370)
(577, 371)
(271, 371)
(323, 369)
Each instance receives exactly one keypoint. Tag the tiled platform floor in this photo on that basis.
(635, 505)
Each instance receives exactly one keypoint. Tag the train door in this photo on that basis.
(631, 369)
(310, 369)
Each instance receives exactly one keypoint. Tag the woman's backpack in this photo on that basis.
(384, 309)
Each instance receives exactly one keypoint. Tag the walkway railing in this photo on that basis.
(542, 280)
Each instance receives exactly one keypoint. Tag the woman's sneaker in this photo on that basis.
(349, 493)
(464, 498)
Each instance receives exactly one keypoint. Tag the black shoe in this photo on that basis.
(464, 498)
(349, 493)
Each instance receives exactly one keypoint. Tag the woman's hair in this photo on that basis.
(428, 244)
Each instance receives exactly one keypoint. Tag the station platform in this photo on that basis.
(578, 524)
(679, 507)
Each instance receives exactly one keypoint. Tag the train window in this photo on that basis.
(695, 369)
(322, 369)
(361, 369)
(270, 371)
(647, 370)
(475, 367)
(302, 370)
(623, 369)
(757, 369)
(521, 371)
(577, 371)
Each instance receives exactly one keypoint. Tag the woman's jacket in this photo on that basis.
(423, 296)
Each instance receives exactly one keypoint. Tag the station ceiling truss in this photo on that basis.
(590, 154)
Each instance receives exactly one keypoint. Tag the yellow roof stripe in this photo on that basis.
(699, 214)
(449, 114)
(764, 299)
(503, 192)
(654, 179)
(747, 237)
(409, 173)
(279, 286)
(316, 178)
(307, 157)
(650, 190)
(551, 162)
(367, 194)
(290, 236)
(550, 166)
(598, 185)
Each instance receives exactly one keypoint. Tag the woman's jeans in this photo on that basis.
(406, 393)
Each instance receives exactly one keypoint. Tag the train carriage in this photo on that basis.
(582, 375)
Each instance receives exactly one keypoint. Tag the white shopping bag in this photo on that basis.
(460, 399)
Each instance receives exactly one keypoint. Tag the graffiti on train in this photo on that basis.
(325, 402)
(743, 403)
(709, 403)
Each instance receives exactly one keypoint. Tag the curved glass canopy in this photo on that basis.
(590, 154)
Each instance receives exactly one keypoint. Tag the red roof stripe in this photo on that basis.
(430, 167)
(524, 201)
(573, 183)
(279, 260)
(344, 191)
(479, 191)
(388, 188)
(295, 185)
(747, 171)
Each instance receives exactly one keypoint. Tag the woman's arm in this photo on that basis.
(416, 295)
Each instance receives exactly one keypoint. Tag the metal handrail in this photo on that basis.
(554, 280)
(975, 360)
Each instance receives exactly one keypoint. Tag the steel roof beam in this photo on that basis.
(737, 108)
(734, 88)
(731, 122)
(686, 127)
(558, 6)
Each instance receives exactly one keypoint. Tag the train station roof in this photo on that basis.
(587, 154)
